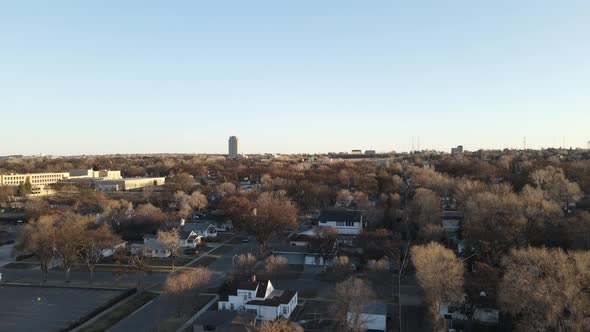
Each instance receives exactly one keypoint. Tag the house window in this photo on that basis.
(285, 310)
(350, 223)
(474, 267)
(339, 223)
(223, 306)
(231, 306)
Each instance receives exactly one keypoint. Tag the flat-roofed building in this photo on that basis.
(128, 184)
(40, 182)
(89, 173)
(233, 147)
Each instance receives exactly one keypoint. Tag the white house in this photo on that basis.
(205, 229)
(373, 317)
(303, 255)
(346, 222)
(259, 297)
(153, 248)
(189, 239)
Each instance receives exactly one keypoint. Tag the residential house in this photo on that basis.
(304, 250)
(205, 228)
(153, 248)
(345, 221)
(259, 297)
(189, 239)
(303, 255)
(466, 312)
(452, 221)
(373, 316)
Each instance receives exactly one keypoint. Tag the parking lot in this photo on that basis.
(24, 308)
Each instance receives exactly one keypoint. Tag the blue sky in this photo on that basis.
(291, 76)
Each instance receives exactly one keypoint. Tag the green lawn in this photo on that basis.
(175, 322)
(120, 312)
(313, 309)
(178, 261)
(307, 294)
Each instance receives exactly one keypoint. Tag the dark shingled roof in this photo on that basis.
(262, 286)
(340, 214)
(276, 298)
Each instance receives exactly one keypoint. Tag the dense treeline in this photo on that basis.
(515, 205)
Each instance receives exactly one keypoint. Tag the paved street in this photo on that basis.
(6, 254)
(148, 318)
(29, 308)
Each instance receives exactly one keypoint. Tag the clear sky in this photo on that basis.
(82, 77)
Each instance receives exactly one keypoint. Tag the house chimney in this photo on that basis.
(253, 278)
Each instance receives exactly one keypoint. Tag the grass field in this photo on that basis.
(175, 322)
(120, 312)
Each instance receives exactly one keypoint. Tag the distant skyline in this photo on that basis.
(290, 77)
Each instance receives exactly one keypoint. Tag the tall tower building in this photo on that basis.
(233, 147)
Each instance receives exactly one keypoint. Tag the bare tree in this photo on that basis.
(351, 297)
(553, 182)
(226, 188)
(95, 242)
(37, 238)
(426, 208)
(246, 263)
(494, 222)
(6, 194)
(324, 242)
(547, 289)
(273, 213)
(274, 264)
(344, 198)
(171, 241)
(132, 262)
(35, 208)
(440, 274)
(69, 236)
(378, 265)
(147, 193)
(149, 213)
(341, 264)
(198, 201)
(278, 325)
(182, 288)
(181, 181)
